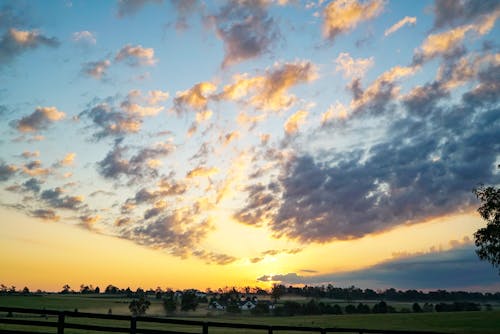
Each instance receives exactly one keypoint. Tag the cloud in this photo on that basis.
(334, 112)
(67, 160)
(15, 42)
(293, 122)
(45, 214)
(28, 154)
(422, 168)
(7, 171)
(184, 8)
(84, 36)
(56, 199)
(341, 16)
(132, 106)
(40, 119)
(96, 69)
(110, 121)
(33, 185)
(136, 55)
(115, 164)
(88, 221)
(450, 12)
(34, 168)
(449, 43)
(177, 232)
(246, 30)
(212, 257)
(196, 97)
(400, 24)
(131, 7)
(352, 68)
(202, 171)
(270, 91)
(458, 268)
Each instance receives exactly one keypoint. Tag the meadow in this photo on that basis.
(487, 322)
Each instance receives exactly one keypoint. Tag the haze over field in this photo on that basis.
(196, 144)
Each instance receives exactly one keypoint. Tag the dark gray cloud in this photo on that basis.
(33, 185)
(175, 232)
(130, 7)
(55, 199)
(458, 268)
(115, 164)
(15, 42)
(45, 214)
(455, 12)
(246, 29)
(96, 69)
(7, 171)
(184, 9)
(10, 17)
(111, 122)
(426, 166)
(212, 257)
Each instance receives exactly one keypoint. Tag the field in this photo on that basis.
(487, 322)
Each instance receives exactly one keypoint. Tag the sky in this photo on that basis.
(203, 144)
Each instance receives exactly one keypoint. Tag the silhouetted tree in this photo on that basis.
(416, 308)
(189, 301)
(487, 239)
(139, 306)
(277, 291)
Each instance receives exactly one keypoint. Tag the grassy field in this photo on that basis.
(487, 322)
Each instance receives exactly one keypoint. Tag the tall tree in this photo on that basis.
(487, 239)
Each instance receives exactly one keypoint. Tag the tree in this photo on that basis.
(487, 239)
(139, 306)
(189, 301)
(277, 291)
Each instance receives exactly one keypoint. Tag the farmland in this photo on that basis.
(452, 322)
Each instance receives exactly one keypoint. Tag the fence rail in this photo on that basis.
(132, 324)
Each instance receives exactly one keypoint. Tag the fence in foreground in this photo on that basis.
(56, 322)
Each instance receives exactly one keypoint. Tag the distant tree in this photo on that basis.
(66, 289)
(487, 239)
(169, 302)
(139, 306)
(416, 308)
(26, 291)
(111, 289)
(97, 290)
(277, 291)
(380, 307)
(189, 301)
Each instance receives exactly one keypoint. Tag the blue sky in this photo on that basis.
(251, 136)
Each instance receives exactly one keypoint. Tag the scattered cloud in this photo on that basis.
(110, 121)
(293, 122)
(246, 29)
(96, 69)
(270, 91)
(400, 24)
(40, 119)
(15, 42)
(131, 7)
(136, 55)
(85, 37)
(450, 12)
(196, 97)
(352, 68)
(45, 214)
(341, 16)
(7, 171)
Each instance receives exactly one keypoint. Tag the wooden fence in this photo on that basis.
(60, 323)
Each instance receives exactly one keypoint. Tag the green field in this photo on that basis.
(458, 322)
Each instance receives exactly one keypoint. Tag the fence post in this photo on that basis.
(323, 331)
(270, 330)
(133, 325)
(60, 323)
(205, 328)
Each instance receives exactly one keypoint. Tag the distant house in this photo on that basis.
(247, 305)
(216, 305)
